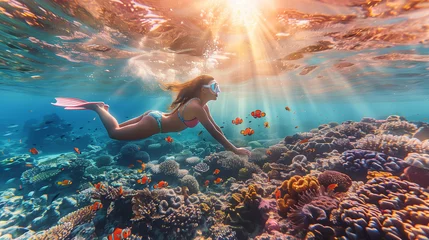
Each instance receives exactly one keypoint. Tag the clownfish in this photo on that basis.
(34, 151)
(237, 121)
(218, 180)
(144, 180)
(216, 171)
(247, 132)
(119, 234)
(161, 184)
(287, 108)
(96, 206)
(169, 139)
(77, 150)
(257, 114)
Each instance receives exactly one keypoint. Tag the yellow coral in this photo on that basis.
(375, 174)
(204, 207)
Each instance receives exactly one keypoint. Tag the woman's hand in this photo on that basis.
(242, 151)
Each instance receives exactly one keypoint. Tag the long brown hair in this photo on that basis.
(185, 90)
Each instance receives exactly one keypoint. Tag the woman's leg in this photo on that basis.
(144, 128)
(134, 120)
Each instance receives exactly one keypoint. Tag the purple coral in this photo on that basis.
(360, 160)
(314, 206)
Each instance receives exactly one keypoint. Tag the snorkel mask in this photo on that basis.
(213, 86)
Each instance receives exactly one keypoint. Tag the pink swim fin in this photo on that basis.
(68, 102)
(75, 103)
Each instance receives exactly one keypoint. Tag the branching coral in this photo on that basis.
(391, 145)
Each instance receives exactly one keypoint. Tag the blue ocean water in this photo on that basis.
(353, 72)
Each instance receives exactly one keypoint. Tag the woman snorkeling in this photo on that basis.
(188, 109)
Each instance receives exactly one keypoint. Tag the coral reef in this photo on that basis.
(361, 160)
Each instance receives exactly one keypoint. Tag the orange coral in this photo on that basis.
(291, 188)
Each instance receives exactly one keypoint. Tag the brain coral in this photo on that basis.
(385, 208)
(360, 160)
(333, 177)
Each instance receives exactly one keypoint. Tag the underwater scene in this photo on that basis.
(214, 119)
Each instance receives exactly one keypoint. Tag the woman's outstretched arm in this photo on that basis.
(211, 119)
(201, 115)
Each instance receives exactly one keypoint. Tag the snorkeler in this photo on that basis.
(188, 109)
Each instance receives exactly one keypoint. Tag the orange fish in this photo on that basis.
(144, 180)
(303, 141)
(218, 180)
(216, 171)
(237, 121)
(161, 184)
(278, 193)
(143, 166)
(257, 114)
(287, 108)
(121, 190)
(96, 206)
(64, 183)
(139, 161)
(34, 151)
(296, 126)
(77, 150)
(169, 139)
(98, 185)
(206, 183)
(332, 187)
(131, 166)
(29, 165)
(268, 152)
(266, 125)
(310, 150)
(247, 132)
(120, 234)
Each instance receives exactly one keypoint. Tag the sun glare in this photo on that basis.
(244, 12)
